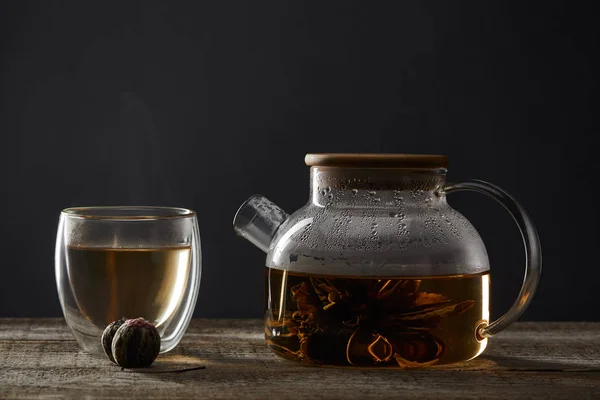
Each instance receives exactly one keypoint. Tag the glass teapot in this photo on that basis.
(377, 270)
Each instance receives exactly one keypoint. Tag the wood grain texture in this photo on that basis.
(40, 359)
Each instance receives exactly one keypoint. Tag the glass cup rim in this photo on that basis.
(120, 213)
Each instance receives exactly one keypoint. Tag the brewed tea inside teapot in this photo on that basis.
(377, 270)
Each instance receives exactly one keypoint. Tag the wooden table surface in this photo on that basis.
(40, 359)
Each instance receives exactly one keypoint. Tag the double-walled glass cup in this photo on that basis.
(114, 262)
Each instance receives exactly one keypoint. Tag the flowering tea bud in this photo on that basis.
(109, 334)
(136, 344)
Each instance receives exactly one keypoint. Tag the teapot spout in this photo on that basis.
(257, 220)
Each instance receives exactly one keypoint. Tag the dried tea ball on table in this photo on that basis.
(136, 343)
(109, 334)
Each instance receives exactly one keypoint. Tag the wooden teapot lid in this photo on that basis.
(365, 160)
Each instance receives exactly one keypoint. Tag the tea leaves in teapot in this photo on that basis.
(370, 322)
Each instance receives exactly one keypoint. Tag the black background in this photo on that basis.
(201, 104)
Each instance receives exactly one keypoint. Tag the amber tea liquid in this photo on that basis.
(110, 283)
(375, 322)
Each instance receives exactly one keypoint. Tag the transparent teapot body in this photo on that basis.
(377, 270)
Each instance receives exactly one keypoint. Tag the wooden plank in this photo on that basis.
(39, 359)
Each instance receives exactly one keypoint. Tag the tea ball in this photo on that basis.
(131, 343)
(109, 334)
(136, 343)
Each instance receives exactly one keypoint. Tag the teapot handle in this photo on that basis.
(533, 251)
